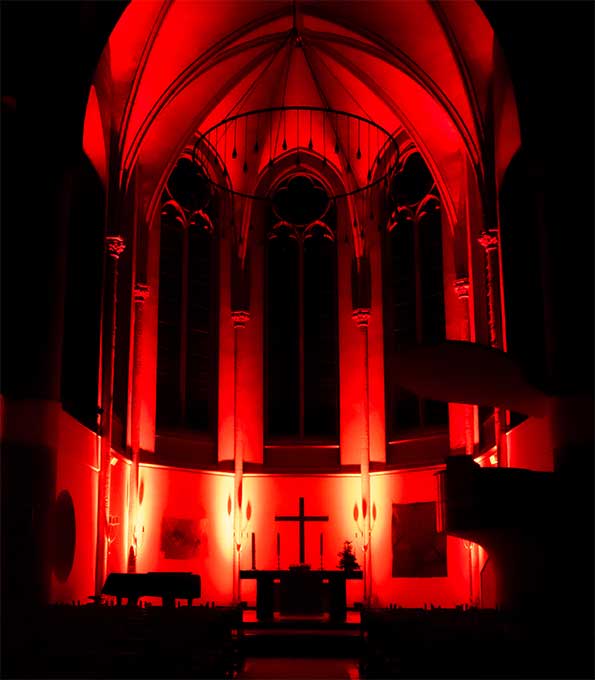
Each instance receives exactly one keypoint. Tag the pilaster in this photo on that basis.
(490, 243)
(469, 412)
(114, 247)
(141, 293)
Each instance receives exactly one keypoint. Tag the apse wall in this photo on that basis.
(187, 518)
(76, 476)
(187, 522)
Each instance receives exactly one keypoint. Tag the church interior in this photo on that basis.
(297, 338)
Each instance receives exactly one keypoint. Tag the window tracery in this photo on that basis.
(301, 366)
(186, 367)
(414, 290)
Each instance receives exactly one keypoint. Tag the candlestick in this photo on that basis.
(321, 549)
(253, 551)
(278, 550)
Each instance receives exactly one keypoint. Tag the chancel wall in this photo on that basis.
(186, 523)
(188, 526)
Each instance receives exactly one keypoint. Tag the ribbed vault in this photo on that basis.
(174, 68)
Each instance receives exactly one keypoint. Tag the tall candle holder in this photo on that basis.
(365, 540)
(321, 551)
(240, 538)
(365, 532)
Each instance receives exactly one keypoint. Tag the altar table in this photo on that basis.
(296, 592)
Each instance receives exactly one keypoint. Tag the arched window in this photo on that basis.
(301, 366)
(187, 342)
(414, 290)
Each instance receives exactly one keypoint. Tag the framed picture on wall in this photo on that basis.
(180, 538)
(419, 551)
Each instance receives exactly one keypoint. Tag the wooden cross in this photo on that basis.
(302, 519)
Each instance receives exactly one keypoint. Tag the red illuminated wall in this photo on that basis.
(118, 548)
(203, 497)
(77, 473)
(75, 451)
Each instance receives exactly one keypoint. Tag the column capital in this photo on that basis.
(361, 316)
(461, 287)
(240, 318)
(141, 292)
(114, 246)
(488, 240)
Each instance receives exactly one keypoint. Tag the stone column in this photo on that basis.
(361, 317)
(239, 319)
(114, 247)
(141, 293)
(490, 243)
(361, 299)
(462, 290)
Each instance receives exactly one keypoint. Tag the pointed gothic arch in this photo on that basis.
(438, 113)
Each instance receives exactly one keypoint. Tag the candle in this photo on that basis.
(278, 544)
(321, 544)
(253, 551)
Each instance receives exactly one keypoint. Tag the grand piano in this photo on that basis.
(300, 592)
(168, 585)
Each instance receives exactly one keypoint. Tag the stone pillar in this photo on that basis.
(376, 377)
(490, 242)
(141, 293)
(239, 319)
(361, 298)
(362, 319)
(462, 290)
(114, 247)
(241, 284)
(351, 361)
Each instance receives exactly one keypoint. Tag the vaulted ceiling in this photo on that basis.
(427, 71)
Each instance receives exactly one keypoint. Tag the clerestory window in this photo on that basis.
(301, 337)
(187, 341)
(414, 290)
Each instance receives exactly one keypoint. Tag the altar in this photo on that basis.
(301, 592)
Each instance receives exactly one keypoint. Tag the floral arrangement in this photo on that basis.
(348, 561)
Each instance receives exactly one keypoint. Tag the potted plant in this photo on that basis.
(348, 561)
